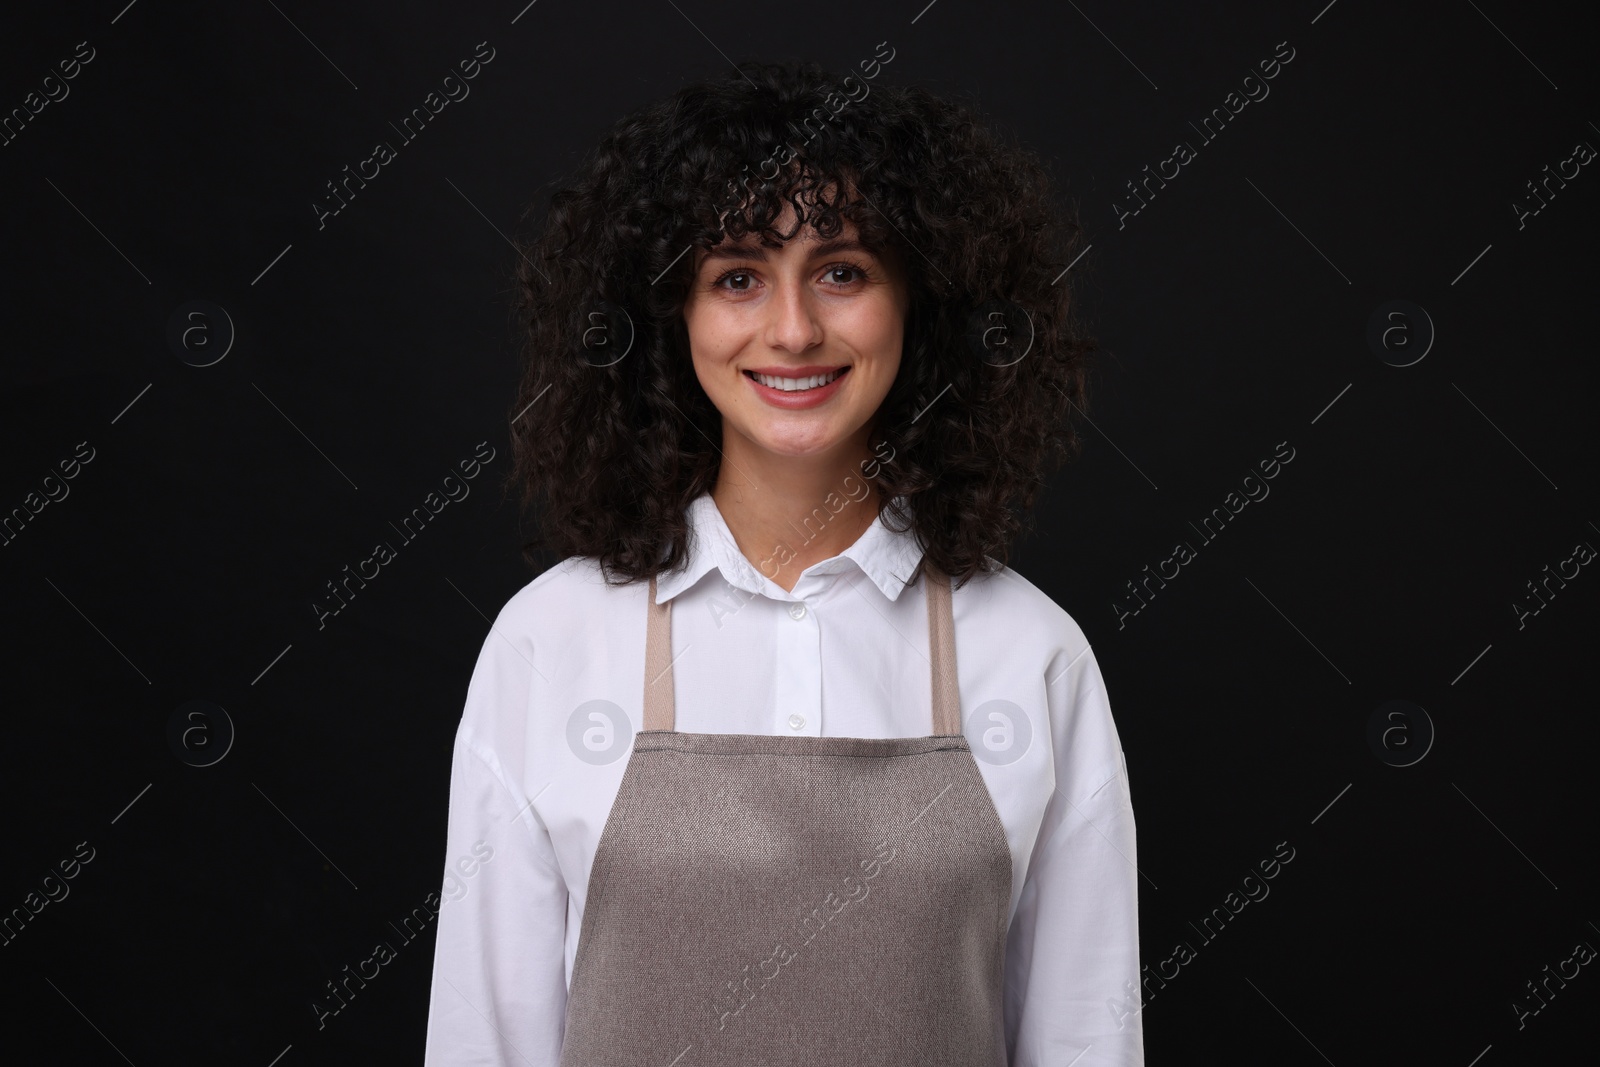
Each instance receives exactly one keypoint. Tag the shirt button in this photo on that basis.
(797, 610)
(796, 721)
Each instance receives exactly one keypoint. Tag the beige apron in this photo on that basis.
(796, 901)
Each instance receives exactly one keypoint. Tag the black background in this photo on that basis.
(375, 353)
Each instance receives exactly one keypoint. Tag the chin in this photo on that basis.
(797, 445)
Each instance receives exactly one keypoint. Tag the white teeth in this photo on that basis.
(793, 385)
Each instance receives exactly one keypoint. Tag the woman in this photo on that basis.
(781, 764)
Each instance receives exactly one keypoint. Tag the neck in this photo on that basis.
(788, 512)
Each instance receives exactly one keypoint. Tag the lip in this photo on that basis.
(793, 400)
(798, 372)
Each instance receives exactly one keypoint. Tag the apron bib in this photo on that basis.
(780, 901)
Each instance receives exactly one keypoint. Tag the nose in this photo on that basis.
(792, 322)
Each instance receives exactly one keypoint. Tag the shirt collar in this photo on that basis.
(884, 555)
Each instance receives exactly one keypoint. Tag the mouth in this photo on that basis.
(798, 384)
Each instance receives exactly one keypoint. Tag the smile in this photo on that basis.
(796, 385)
(798, 388)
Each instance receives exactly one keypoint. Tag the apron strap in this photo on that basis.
(659, 711)
(942, 651)
(658, 708)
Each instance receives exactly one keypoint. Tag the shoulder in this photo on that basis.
(1003, 601)
(1038, 640)
(572, 588)
(563, 613)
(570, 597)
(558, 629)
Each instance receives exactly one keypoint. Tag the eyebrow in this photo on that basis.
(745, 250)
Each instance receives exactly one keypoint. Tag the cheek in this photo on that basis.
(877, 331)
(713, 338)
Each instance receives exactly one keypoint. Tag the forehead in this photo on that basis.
(807, 242)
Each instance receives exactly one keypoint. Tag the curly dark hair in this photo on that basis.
(612, 435)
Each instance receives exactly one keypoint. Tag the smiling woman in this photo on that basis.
(950, 218)
(871, 771)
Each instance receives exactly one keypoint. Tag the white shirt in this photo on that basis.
(557, 695)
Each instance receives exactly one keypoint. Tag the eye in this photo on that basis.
(854, 272)
(735, 274)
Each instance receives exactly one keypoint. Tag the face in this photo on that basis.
(797, 346)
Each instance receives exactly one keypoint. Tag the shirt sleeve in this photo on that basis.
(1072, 955)
(498, 995)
